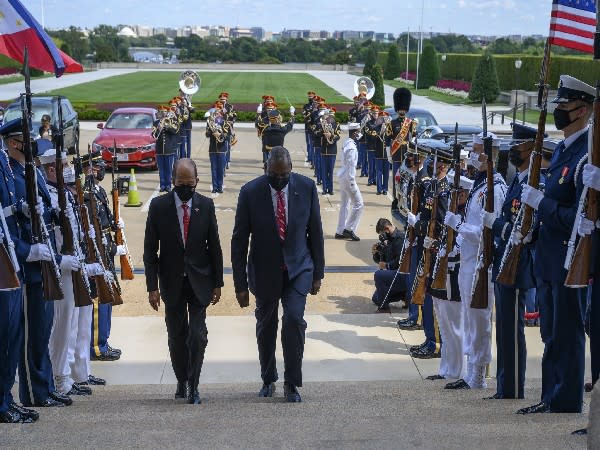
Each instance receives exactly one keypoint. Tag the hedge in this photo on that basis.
(462, 67)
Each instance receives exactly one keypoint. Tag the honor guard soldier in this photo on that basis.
(230, 118)
(165, 131)
(11, 300)
(329, 133)
(36, 384)
(217, 130)
(100, 349)
(403, 128)
(477, 322)
(562, 308)
(510, 300)
(307, 109)
(187, 124)
(351, 201)
(273, 135)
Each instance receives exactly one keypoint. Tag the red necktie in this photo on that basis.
(281, 223)
(186, 220)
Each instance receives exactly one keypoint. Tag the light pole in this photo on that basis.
(518, 64)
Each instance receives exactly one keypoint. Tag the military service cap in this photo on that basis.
(570, 89)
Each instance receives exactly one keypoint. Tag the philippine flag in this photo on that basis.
(18, 29)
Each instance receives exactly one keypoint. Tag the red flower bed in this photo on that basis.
(412, 76)
(8, 71)
(457, 85)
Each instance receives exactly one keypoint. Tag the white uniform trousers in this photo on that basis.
(449, 318)
(79, 351)
(351, 207)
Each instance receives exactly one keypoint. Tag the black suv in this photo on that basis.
(41, 105)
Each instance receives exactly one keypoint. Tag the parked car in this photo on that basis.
(41, 105)
(445, 132)
(130, 129)
(424, 118)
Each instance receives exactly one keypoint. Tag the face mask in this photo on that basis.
(100, 174)
(474, 160)
(278, 183)
(184, 192)
(514, 156)
(69, 175)
(561, 117)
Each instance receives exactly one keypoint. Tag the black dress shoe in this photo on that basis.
(378, 193)
(220, 191)
(350, 235)
(435, 377)
(11, 416)
(95, 381)
(414, 348)
(77, 389)
(588, 387)
(340, 236)
(540, 407)
(114, 350)
(458, 384)
(425, 353)
(182, 390)
(580, 432)
(267, 390)
(104, 356)
(318, 183)
(291, 393)
(330, 192)
(410, 325)
(214, 191)
(28, 415)
(496, 396)
(194, 398)
(50, 403)
(62, 398)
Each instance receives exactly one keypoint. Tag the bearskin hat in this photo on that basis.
(402, 97)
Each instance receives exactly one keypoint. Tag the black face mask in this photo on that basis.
(278, 183)
(514, 156)
(561, 117)
(184, 192)
(100, 174)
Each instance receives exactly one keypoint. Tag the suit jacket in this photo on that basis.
(167, 261)
(302, 252)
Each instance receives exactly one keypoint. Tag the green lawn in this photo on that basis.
(243, 87)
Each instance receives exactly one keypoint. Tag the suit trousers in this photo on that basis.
(390, 285)
(187, 334)
(415, 312)
(430, 326)
(183, 147)
(11, 335)
(449, 316)
(395, 166)
(563, 362)
(293, 328)
(511, 349)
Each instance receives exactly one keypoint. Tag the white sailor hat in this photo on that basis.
(49, 156)
(353, 126)
(465, 183)
(570, 89)
(478, 139)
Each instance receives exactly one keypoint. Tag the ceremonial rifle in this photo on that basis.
(70, 246)
(440, 271)
(39, 234)
(524, 223)
(409, 236)
(486, 244)
(120, 239)
(9, 266)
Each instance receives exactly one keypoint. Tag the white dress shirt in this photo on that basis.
(179, 210)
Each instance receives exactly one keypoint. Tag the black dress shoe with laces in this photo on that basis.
(11, 416)
(436, 377)
(62, 398)
(291, 393)
(95, 381)
(267, 390)
(496, 396)
(350, 235)
(410, 325)
(28, 415)
(540, 407)
(50, 403)
(77, 389)
(425, 353)
(340, 236)
(105, 356)
(194, 397)
(458, 384)
(182, 390)
(114, 350)
(580, 432)
(414, 348)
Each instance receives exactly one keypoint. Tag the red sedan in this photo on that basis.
(131, 130)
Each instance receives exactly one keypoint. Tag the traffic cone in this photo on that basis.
(133, 197)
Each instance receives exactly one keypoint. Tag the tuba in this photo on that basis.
(364, 85)
(189, 84)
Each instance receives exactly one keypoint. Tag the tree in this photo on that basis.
(376, 76)
(392, 66)
(370, 61)
(485, 80)
(429, 69)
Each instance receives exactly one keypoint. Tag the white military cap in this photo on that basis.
(478, 139)
(570, 89)
(354, 126)
(49, 156)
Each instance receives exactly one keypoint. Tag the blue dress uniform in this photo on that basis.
(328, 155)
(36, 381)
(402, 99)
(307, 109)
(382, 167)
(11, 302)
(594, 306)
(315, 120)
(184, 116)
(166, 149)
(362, 147)
(371, 143)
(217, 152)
(230, 117)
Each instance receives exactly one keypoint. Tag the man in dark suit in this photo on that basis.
(280, 211)
(188, 273)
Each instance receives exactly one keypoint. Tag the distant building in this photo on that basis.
(127, 32)
(143, 30)
(258, 33)
(236, 33)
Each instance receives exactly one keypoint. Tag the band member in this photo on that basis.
(183, 117)
(100, 349)
(381, 132)
(217, 130)
(351, 201)
(175, 112)
(262, 122)
(561, 308)
(511, 347)
(401, 134)
(230, 118)
(307, 109)
(364, 115)
(316, 124)
(187, 124)
(371, 130)
(187, 275)
(165, 129)
(329, 133)
(285, 263)
(273, 135)
(477, 325)
(36, 384)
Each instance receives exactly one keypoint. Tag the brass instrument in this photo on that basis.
(364, 85)
(218, 131)
(169, 121)
(386, 129)
(328, 130)
(189, 83)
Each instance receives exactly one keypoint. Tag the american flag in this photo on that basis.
(573, 23)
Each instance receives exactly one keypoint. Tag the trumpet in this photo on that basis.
(169, 121)
(217, 130)
(328, 130)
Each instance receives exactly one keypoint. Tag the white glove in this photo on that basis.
(585, 226)
(259, 109)
(428, 242)
(121, 250)
(70, 214)
(292, 110)
(104, 241)
(518, 238)
(121, 223)
(453, 253)
(442, 251)
(488, 219)
(412, 219)
(39, 209)
(7, 211)
(109, 276)
(359, 136)
(39, 252)
(531, 196)
(69, 263)
(591, 176)
(1, 235)
(94, 269)
(452, 220)
(92, 233)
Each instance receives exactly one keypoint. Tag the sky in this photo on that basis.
(488, 17)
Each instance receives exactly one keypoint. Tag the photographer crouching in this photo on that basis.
(390, 285)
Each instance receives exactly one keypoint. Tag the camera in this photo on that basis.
(382, 244)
